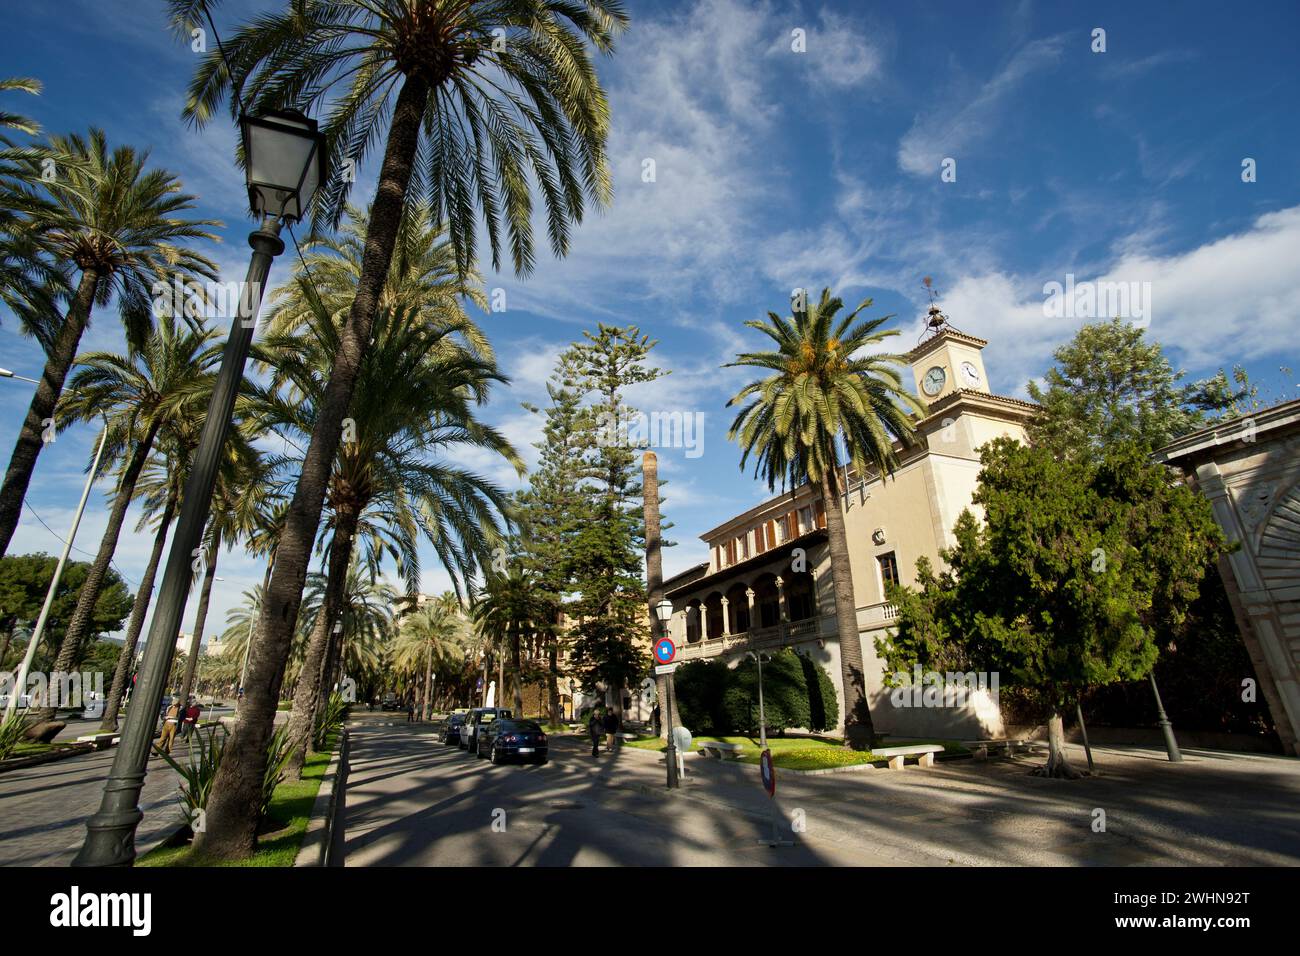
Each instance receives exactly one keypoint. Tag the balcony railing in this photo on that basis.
(781, 635)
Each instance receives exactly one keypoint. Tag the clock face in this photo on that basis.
(969, 373)
(932, 384)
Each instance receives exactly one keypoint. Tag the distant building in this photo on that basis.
(767, 582)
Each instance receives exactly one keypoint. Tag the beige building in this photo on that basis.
(767, 581)
(1249, 469)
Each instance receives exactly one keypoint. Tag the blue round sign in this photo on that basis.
(665, 650)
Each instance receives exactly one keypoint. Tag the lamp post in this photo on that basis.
(663, 611)
(5, 373)
(24, 669)
(284, 164)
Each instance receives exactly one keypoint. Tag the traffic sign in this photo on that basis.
(665, 650)
(665, 668)
(768, 772)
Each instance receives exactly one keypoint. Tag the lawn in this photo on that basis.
(792, 753)
(291, 805)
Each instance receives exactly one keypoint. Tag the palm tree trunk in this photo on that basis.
(233, 807)
(306, 697)
(858, 729)
(519, 676)
(142, 599)
(22, 463)
(79, 626)
(426, 713)
(201, 617)
(553, 683)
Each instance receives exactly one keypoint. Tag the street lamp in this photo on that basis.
(5, 373)
(663, 611)
(284, 161)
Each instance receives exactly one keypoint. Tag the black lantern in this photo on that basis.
(284, 163)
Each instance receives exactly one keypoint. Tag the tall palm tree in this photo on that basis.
(119, 225)
(415, 397)
(472, 123)
(509, 611)
(824, 385)
(365, 609)
(239, 499)
(167, 380)
(428, 634)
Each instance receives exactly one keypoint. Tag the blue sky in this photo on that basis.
(777, 169)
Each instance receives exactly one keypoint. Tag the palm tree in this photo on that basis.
(165, 381)
(508, 610)
(118, 224)
(823, 386)
(432, 632)
(415, 396)
(365, 611)
(29, 280)
(482, 98)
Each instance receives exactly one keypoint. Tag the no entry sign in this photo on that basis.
(665, 650)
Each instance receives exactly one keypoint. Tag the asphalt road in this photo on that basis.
(413, 801)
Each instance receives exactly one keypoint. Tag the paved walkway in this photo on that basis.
(413, 801)
(43, 809)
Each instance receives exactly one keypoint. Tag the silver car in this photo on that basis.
(479, 715)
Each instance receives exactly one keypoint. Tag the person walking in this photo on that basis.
(611, 729)
(169, 726)
(594, 727)
(410, 709)
(192, 718)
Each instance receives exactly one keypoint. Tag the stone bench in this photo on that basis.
(924, 754)
(100, 741)
(720, 750)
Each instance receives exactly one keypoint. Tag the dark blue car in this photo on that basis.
(505, 739)
(451, 731)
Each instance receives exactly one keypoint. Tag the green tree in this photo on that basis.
(1079, 572)
(508, 611)
(468, 124)
(24, 582)
(427, 638)
(611, 632)
(1110, 385)
(120, 225)
(826, 385)
(164, 381)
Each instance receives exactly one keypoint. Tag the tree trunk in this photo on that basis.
(517, 667)
(553, 682)
(859, 732)
(58, 361)
(654, 567)
(314, 681)
(426, 712)
(233, 807)
(79, 626)
(201, 617)
(122, 673)
(1058, 764)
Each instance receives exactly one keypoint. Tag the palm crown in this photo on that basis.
(825, 385)
(513, 95)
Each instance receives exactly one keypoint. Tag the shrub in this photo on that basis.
(797, 692)
(329, 719)
(11, 733)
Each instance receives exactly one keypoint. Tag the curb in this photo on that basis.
(62, 753)
(322, 827)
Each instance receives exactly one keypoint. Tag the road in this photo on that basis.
(413, 801)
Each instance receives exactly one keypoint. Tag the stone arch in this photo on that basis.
(1278, 558)
(694, 629)
(713, 615)
(800, 596)
(767, 602)
(738, 607)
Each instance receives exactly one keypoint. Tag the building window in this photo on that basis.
(731, 552)
(805, 520)
(744, 545)
(888, 569)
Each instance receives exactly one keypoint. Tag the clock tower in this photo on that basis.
(947, 360)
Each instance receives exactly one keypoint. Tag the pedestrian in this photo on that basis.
(192, 717)
(654, 720)
(410, 709)
(594, 727)
(169, 727)
(611, 729)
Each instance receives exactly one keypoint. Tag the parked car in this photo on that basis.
(506, 739)
(390, 702)
(451, 730)
(475, 719)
